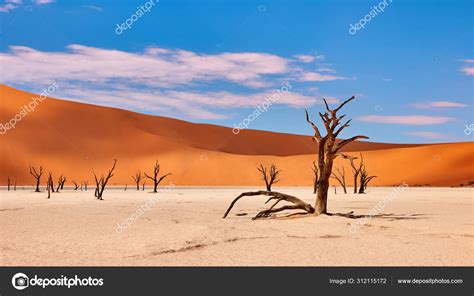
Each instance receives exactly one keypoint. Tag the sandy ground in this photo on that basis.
(420, 226)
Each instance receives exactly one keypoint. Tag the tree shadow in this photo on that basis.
(391, 216)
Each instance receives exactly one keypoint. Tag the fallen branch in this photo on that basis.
(297, 203)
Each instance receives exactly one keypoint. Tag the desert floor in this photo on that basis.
(420, 226)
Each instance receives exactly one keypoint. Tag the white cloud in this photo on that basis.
(406, 119)
(314, 76)
(176, 82)
(41, 2)
(10, 5)
(426, 135)
(439, 104)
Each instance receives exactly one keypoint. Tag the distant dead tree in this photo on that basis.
(125, 189)
(364, 179)
(85, 185)
(61, 181)
(50, 185)
(14, 186)
(102, 181)
(8, 184)
(76, 186)
(154, 177)
(37, 175)
(328, 148)
(355, 168)
(340, 176)
(270, 178)
(137, 178)
(315, 170)
(143, 186)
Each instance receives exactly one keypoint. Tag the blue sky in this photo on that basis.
(411, 66)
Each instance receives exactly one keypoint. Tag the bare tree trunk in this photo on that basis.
(315, 177)
(37, 175)
(271, 178)
(8, 184)
(154, 177)
(328, 149)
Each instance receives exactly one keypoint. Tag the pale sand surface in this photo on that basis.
(421, 226)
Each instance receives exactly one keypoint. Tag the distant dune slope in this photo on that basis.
(73, 138)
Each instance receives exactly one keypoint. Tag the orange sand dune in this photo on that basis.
(74, 138)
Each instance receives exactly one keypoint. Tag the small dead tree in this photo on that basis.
(355, 168)
(315, 170)
(270, 178)
(8, 184)
(340, 176)
(14, 186)
(102, 181)
(137, 178)
(328, 148)
(154, 177)
(61, 181)
(50, 185)
(76, 186)
(85, 185)
(364, 179)
(143, 186)
(125, 189)
(37, 175)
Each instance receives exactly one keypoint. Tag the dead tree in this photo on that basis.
(76, 186)
(154, 177)
(37, 175)
(314, 168)
(61, 181)
(297, 203)
(270, 178)
(102, 181)
(328, 149)
(125, 189)
(340, 176)
(85, 185)
(50, 185)
(8, 184)
(14, 186)
(364, 179)
(137, 178)
(355, 168)
(143, 186)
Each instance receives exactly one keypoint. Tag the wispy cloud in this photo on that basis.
(314, 76)
(41, 2)
(468, 70)
(93, 7)
(427, 135)
(406, 119)
(154, 67)
(10, 5)
(439, 104)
